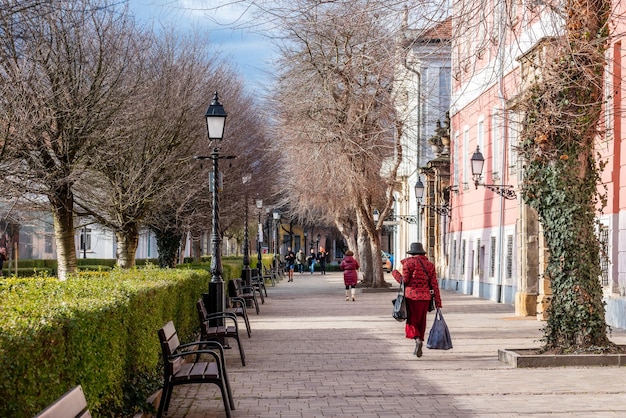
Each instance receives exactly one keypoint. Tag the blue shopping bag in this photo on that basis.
(439, 336)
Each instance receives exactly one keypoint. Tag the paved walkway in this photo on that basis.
(312, 354)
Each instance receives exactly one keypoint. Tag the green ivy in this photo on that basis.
(561, 179)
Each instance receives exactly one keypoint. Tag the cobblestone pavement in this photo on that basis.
(312, 354)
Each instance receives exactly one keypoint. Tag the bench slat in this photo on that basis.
(71, 405)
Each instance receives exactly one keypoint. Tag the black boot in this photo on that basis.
(418, 348)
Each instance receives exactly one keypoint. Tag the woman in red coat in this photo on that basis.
(350, 268)
(419, 277)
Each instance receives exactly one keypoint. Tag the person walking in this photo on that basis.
(311, 260)
(321, 258)
(419, 277)
(290, 261)
(300, 260)
(350, 266)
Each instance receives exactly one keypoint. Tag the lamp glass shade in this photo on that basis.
(215, 119)
(276, 214)
(259, 204)
(419, 189)
(376, 215)
(477, 161)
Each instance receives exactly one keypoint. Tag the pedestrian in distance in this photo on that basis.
(419, 277)
(311, 260)
(290, 261)
(321, 258)
(300, 261)
(350, 266)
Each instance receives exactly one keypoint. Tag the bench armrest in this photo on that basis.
(222, 315)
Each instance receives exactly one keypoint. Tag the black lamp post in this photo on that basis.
(259, 237)
(276, 216)
(245, 272)
(318, 242)
(305, 236)
(215, 120)
(419, 193)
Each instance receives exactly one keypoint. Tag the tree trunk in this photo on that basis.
(168, 242)
(62, 203)
(196, 247)
(127, 241)
(365, 254)
(377, 262)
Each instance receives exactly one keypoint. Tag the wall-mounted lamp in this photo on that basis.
(419, 193)
(478, 161)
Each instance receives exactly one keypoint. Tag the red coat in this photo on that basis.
(350, 268)
(416, 280)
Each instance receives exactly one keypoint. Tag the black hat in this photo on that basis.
(416, 248)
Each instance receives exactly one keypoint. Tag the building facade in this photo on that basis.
(496, 249)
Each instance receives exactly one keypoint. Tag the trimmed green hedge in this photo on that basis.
(97, 329)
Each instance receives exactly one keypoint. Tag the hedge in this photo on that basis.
(97, 329)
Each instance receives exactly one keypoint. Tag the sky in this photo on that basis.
(227, 27)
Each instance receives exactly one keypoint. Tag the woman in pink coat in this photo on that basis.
(350, 268)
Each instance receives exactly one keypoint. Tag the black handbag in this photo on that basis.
(431, 305)
(439, 335)
(399, 304)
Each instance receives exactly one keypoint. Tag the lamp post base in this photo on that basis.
(215, 301)
(246, 276)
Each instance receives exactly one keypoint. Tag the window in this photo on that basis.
(492, 258)
(496, 126)
(604, 259)
(514, 131)
(48, 248)
(481, 133)
(509, 256)
(462, 258)
(479, 259)
(456, 158)
(466, 156)
(85, 239)
(453, 261)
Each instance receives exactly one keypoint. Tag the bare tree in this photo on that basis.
(63, 66)
(337, 115)
(149, 161)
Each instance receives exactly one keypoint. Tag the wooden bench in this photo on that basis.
(257, 281)
(221, 332)
(271, 275)
(179, 370)
(237, 306)
(247, 293)
(71, 405)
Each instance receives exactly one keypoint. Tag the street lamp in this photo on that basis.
(276, 216)
(419, 193)
(245, 272)
(305, 236)
(259, 237)
(215, 120)
(318, 242)
(478, 162)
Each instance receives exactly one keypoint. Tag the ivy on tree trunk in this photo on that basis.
(562, 113)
